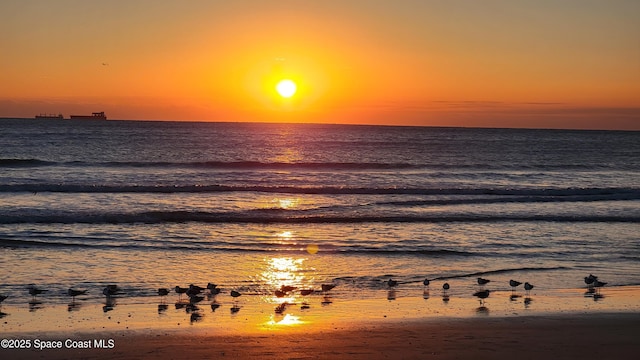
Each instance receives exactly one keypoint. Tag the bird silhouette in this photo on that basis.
(514, 284)
(528, 287)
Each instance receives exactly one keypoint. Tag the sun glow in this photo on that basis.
(286, 88)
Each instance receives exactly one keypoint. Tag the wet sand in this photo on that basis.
(565, 324)
(607, 336)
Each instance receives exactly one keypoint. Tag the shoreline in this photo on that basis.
(254, 314)
(563, 324)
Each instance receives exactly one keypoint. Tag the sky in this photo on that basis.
(491, 63)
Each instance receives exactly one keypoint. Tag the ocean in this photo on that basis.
(253, 206)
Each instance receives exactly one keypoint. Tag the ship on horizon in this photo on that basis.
(94, 116)
(49, 116)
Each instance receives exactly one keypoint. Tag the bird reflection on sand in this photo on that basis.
(425, 294)
(35, 305)
(109, 304)
(391, 295)
(214, 306)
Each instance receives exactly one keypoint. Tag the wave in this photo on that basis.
(501, 271)
(603, 193)
(280, 216)
(227, 247)
(24, 163)
(238, 165)
(314, 166)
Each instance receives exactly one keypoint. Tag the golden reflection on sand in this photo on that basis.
(284, 320)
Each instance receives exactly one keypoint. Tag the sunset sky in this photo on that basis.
(548, 64)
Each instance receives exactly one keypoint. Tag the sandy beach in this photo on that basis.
(559, 325)
(607, 336)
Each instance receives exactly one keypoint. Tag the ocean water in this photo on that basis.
(253, 206)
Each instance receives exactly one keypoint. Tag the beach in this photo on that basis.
(115, 210)
(607, 336)
(559, 325)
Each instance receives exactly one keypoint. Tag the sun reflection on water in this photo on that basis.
(284, 271)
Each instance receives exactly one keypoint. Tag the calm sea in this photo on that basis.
(253, 206)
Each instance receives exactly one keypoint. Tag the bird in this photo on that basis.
(287, 288)
(327, 287)
(528, 287)
(305, 292)
(180, 290)
(235, 294)
(426, 282)
(598, 284)
(3, 298)
(213, 288)
(482, 281)
(445, 287)
(482, 295)
(280, 293)
(392, 283)
(589, 280)
(73, 293)
(194, 290)
(34, 291)
(109, 291)
(163, 291)
(514, 284)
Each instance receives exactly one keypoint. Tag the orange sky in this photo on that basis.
(568, 64)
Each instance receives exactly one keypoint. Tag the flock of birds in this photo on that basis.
(481, 294)
(195, 294)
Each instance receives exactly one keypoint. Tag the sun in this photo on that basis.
(286, 88)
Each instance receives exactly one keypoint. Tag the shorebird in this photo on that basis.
(305, 292)
(589, 280)
(327, 287)
(34, 291)
(73, 293)
(445, 287)
(109, 292)
(280, 293)
(598, 284)
(287, 288)
(180, 290)
(426, 282)
(392, 283)
(514, 284)
(235, 294)
(213, 289)
(528, 287)
(482, 281)
(163, 291)
(194, 290)
(482, 295)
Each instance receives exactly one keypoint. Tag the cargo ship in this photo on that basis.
(49, 116)
(93, 116)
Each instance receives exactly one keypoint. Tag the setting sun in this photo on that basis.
(286, 88)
